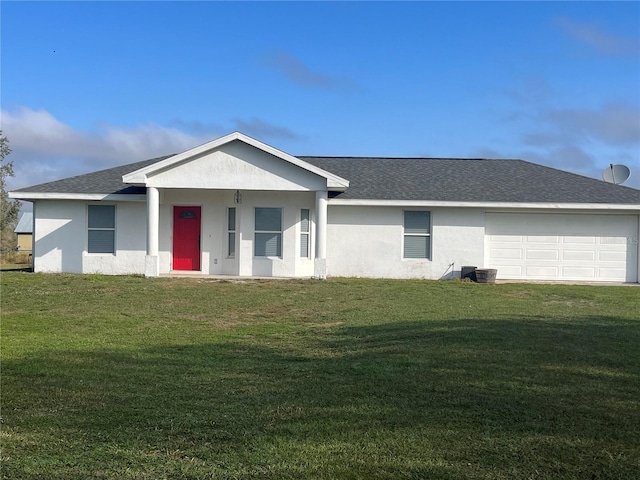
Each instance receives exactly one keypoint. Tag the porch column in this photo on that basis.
(152, 260)
(320, 262)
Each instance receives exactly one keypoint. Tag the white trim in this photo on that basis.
(498, 205)
(140, 176)
(112, 197)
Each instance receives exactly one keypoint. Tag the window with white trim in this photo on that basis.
(231, 232)
(101, 222)
(304, 233)
(268, 232)
(417, 234)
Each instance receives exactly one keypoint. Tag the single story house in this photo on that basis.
(236, 206)
(24, 232)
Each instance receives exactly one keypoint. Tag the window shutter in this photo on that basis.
(232, 219)
(232, 244)
(102, 216)
(304, 220)
(268, 245)
(416, 247)
(304, 245)
(268, 219)
(101, 241)
(416, 222)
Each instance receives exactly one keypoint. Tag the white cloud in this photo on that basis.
(571, 137)
(44, 148)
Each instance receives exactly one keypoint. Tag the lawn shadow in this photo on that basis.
(469, 398)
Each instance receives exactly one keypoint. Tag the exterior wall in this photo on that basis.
(238, 165)
(366, 241)
(25, 242)
(214, 205)
(362, 241)
(61, 239)
(60, 236)
(131, 243)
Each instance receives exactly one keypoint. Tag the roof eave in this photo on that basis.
(33, 196)
(491, 205)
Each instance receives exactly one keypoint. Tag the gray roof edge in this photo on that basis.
(567, 172)
(126, 168)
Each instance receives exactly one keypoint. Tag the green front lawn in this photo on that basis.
(129, 377)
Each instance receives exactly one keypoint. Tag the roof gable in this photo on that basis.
(221, 163)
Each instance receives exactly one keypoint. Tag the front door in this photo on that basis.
(186, 238)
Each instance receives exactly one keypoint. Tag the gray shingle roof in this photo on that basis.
(468, 180)
(103, 182)
(436, 179)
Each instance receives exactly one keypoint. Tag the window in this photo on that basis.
(231, 232)
(304, 233)
(417, 234)
(102, 229)
(268, 232)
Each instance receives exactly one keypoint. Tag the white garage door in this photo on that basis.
(562, 246)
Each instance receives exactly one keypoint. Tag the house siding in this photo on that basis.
(61, 239)
(366, 241)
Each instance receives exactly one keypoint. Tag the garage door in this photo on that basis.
(562, 247)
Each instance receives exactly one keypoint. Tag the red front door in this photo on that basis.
(186, 238)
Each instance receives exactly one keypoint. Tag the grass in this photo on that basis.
(136, 378)
(15, 261)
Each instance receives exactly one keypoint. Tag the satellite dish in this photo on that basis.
(616, 174)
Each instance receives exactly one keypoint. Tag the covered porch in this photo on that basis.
(236, 206)
(239, 233)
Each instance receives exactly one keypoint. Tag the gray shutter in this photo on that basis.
(231, 225)
(304, 245)
(268, 245)
(232, 244)
(416, 222)
(416, 246)
(102, 216)
(268, 219)
(101, 241)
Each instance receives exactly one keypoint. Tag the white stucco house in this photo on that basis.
(236, 206)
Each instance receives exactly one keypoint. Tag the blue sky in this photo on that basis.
(89, 85)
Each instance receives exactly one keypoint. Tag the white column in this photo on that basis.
(320, 262)
(152, 260)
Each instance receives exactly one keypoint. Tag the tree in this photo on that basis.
(9, 209)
